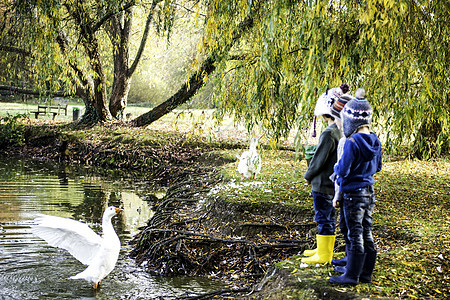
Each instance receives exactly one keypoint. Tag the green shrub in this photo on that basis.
(12, 132)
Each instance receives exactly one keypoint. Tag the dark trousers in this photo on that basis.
(358, 209)
(343, 225)
(324, 213)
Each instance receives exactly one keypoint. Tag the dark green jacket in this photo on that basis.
(322, 163)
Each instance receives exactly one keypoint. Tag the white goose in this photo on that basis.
(98, 253)
(250, 161)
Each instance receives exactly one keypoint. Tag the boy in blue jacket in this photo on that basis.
(361, 159)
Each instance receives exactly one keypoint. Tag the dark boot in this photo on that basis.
(342, 261)
(339, 269)
(369, 265)
(339, 262)
(353, 269)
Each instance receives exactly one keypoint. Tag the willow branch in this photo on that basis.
(144, 39)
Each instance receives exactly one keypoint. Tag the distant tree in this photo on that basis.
(197, 80)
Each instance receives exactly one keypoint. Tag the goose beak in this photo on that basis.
(118, 209)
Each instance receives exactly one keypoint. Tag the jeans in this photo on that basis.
(358, 209)
(343, 226)
(324, 213)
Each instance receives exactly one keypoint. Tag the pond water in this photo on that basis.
(31, 269)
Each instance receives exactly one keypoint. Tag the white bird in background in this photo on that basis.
(250, 161)
(98, 253)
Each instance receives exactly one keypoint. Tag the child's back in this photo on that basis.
(361, 159)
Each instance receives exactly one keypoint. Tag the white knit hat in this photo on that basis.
(326, 101)
(324, 104)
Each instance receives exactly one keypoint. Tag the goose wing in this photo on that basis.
(76, 237)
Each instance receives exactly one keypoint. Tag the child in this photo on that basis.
(337, 200)
(361, 159)
(318, 175)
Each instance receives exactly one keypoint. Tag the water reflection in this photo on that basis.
(30, 269)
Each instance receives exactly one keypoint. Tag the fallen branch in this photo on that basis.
(226, 292)
(209, 238)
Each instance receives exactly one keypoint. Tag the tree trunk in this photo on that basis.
(426, 143)
(119, 29)
(119, 94)
(95, 100)
(100, 99)
(185, 93)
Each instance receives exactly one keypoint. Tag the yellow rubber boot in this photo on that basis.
(324, 254)
(310, 252)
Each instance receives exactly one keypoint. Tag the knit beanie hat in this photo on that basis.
(338, 105)
(324, 104)
(326, 101)
(356, 114)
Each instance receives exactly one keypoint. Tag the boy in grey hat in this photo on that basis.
(360, 160)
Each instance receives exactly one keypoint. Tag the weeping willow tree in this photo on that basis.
(397, 50)
(79, 47)
(273, 58)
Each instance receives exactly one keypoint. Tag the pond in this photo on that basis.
(31, 269)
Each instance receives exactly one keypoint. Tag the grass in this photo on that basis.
(411, 223)
(191, 123)
(280, 182)
(14, 108)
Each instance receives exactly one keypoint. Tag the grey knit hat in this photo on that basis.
(356, 114)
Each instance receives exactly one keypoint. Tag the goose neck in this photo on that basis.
(107, 226)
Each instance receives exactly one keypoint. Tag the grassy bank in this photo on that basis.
(411, 224)
(412, 214)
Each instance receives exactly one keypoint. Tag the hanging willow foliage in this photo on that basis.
(397, 50)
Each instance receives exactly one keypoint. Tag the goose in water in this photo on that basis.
(98, 253)
(250, 161)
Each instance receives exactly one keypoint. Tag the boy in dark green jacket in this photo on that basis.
(318, 175)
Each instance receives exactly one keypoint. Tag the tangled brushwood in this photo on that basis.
(192, 233)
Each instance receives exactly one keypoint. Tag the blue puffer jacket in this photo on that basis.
(360, 160)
